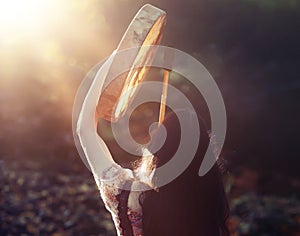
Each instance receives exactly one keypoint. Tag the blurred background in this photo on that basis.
(251, 47)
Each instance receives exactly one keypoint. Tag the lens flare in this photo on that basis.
(21, 16)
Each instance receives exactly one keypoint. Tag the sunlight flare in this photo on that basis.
(20, 16)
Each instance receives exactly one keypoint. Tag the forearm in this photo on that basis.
(96, 151)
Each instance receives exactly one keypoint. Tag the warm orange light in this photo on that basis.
(23, 16)
(46, 46)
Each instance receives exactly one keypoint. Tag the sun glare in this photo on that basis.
(47, 40)
(20, 16)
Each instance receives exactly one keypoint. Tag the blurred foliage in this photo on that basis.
(38, 203)
(273, 4)
(58, 204)
(250, 50)
(251, 47)
(265, 215)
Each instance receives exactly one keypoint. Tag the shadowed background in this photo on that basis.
(249, 46)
